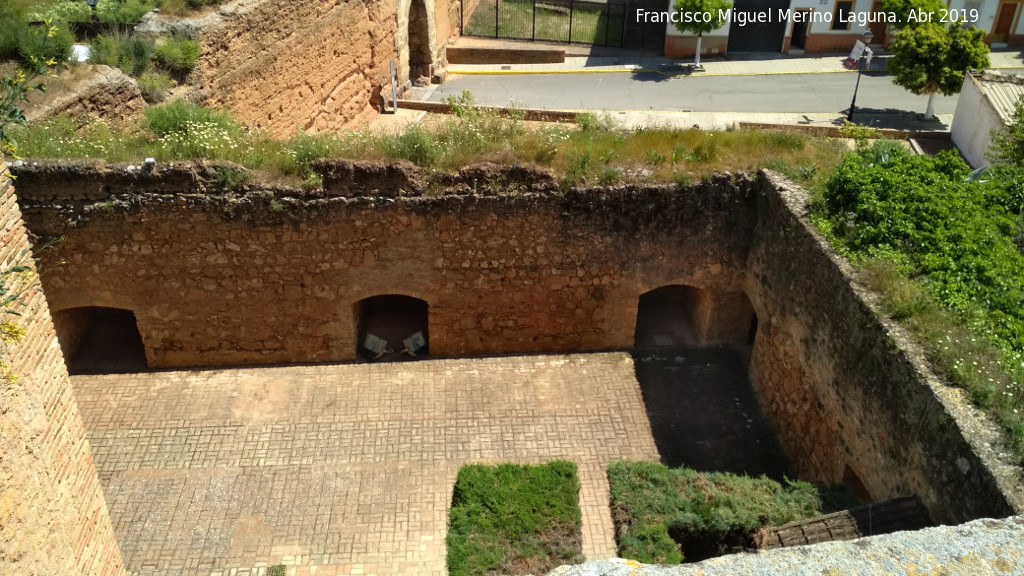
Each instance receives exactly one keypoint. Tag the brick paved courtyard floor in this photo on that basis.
(343, 469)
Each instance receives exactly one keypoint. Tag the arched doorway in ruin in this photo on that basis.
(100, 340)
(415, 40)
(683, 315)
(391, 327)
(669, 316)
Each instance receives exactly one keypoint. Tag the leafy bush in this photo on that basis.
(528, 516)
(674, 514)
(924, 215)
(155, 86)
(29, 43)
(178, 54)
(131, 54)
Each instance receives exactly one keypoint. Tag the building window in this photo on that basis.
(842, 17)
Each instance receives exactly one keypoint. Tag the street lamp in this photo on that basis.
(866, 53)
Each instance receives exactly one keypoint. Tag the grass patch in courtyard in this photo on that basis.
(590, 152)
(512, 519)
(946, 253)
(668, 516)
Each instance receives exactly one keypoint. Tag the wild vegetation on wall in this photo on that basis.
(946, 248)
(590, 151)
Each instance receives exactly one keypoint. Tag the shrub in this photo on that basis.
(178, 54)
(674, 514)
(131, 54)
(594, 123)
(514, 515)
(415, 145)
(155, 86)
(923, 214)
(42, 43)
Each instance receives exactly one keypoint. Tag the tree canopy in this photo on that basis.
(703, 15)
(903, 9)
(931, 59)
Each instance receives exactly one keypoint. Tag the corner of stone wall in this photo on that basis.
(849, 390)
(53, 517)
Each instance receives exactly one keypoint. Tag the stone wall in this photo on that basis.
(848, 393)
(314, 65)
(53, 518)
(269, 277)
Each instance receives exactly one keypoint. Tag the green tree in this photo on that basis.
(1007, 146)
(903, 9)
(700, 17)
(931, 59)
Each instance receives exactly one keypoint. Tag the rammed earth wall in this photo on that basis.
(318, 64)
(510, 264)
(53, 518)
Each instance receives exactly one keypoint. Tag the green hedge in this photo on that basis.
(665, 515)
(511, 518)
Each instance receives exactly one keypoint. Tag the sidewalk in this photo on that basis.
(727, 120)
(748, 64)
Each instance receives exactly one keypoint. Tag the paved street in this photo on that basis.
(788, 93)
(343, 469)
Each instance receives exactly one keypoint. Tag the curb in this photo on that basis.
(639, 71)
(659, 72)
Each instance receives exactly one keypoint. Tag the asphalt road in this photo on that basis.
(794, 93)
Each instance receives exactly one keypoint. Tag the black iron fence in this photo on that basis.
(597, 22)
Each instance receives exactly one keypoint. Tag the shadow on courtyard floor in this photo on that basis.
(704, 413)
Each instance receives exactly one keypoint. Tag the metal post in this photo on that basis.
(570, 22)
(533, 36)
(394, 89)
(497, 9)
(853, 104)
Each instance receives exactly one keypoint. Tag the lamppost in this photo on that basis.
(860, 71)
